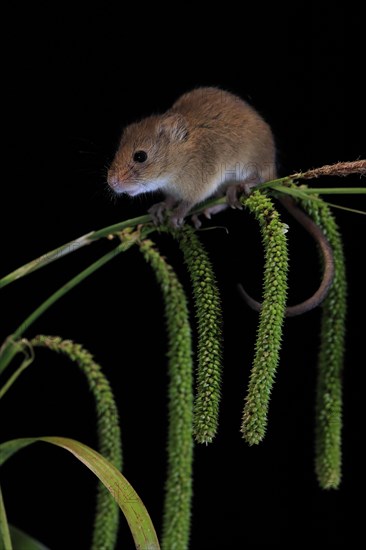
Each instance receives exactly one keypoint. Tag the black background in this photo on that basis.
(71, 82)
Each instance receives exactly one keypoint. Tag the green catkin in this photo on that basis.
(209, 321)
(328, 422)
(271, 317)
(178, 488)
(108, 430)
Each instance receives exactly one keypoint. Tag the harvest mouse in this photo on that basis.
(210, 143)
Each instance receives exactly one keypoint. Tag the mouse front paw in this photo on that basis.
(161, 214)
(158, 212)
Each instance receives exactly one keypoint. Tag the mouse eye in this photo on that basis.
(140, 156)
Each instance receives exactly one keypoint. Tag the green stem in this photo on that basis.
(46, 259)
(275, 183)
(69, 247)
(93, 236)
(5, 541)
(67, 287)
(335, 190)
(8, 351)
(89, 238)
(28, 360)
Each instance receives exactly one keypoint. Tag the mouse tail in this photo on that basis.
(314, 230)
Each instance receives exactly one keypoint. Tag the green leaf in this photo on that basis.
(28, 360)
(23, 541)
(140, 524)
(5, 541)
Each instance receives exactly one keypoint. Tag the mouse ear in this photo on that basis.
(174, 126)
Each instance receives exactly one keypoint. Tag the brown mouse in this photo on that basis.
(210, 143)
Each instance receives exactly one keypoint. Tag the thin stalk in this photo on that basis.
(8, 351)
(69, 247)
(5, 541)
(28, 360)
(339, 169)
(335, 190)
(67, 287)
(93, 236)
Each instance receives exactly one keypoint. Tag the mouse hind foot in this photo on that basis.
(207, 212)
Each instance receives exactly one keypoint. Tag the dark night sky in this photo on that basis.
(71, 83)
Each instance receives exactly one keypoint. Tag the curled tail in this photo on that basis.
(314, 230)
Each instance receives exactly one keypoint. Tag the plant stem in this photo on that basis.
(5, 541)
(69, 247)
(337, 169)
(335, 190)
(66, 288)
(8, 350)
(28, 360)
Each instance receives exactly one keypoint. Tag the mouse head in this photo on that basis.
(148, 154)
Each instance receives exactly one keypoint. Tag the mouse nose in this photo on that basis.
(113, 179)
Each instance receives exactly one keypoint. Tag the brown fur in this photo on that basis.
(209, 143)
(208, 140)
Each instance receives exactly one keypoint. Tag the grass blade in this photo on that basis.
(138, 519)
(24, 541)
(5, 541)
